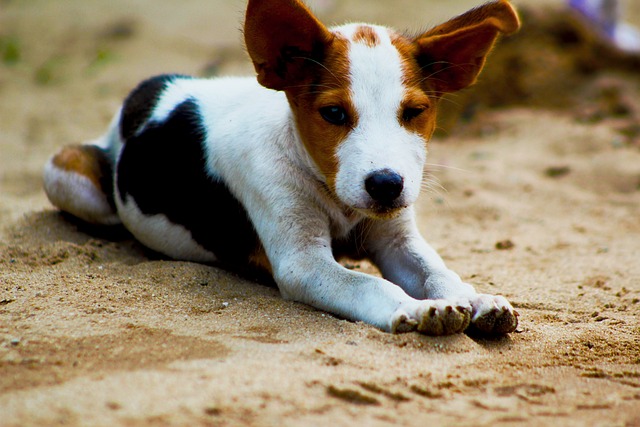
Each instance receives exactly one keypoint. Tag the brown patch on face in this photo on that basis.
(88, 161)
(366, 35)
(417, 112)
(327, 86)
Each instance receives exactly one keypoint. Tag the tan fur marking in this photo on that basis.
(294, 52)
(81, 160)
(408, 51)
(326, 87)
(453, 53)
(278, 36)
(366, 35)
(419, 94)
(259, 259)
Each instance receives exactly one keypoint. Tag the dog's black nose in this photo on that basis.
(384, 186)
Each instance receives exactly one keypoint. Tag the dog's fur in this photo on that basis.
(323, 153)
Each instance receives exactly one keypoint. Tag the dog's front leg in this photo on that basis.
(306, 271)
(406, 259)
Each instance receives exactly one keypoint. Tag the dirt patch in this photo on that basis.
(55, 360)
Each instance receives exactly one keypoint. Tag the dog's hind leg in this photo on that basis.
(78, 179)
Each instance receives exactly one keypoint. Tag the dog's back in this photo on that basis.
(173, 147)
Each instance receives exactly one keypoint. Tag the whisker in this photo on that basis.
(448, 99)
(366, 227)
(442, 166)
(434, 188)
(318, 63)
(448, 66)
(443, 130)
(433, 185)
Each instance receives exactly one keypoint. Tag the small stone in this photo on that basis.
(557, 171)
(504, 245)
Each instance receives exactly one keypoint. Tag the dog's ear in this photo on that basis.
(452, 55)
(284, 40)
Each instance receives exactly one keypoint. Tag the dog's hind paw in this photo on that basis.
(431, 317)
(492, 315)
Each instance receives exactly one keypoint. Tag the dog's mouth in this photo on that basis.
(382, 211)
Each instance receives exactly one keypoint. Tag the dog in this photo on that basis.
(321, 156)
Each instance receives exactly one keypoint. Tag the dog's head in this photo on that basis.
(364, 97)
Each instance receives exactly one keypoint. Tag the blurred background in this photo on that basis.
(66, 65)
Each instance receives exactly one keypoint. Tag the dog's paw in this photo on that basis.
(431, 317)
(492, 315)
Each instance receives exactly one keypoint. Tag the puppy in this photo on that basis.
(322, 155)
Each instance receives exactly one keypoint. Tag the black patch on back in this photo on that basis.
(163, 169)
(141, 101)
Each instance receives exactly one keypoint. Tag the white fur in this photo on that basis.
(160, 234)
(379, 141)
(76, 194)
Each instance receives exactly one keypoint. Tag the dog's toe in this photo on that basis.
(457, 319)
(403, 323)
(443, 318)
(506, 322)
(493, 315)
(432, 317)
(431, 322)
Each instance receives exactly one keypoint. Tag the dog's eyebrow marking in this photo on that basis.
(366, 35)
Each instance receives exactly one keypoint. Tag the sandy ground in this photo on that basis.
(94, 330)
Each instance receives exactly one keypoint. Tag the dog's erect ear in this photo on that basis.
(452, 54)
(284, 40)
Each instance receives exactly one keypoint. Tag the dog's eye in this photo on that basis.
(334, 115)
(411, 113)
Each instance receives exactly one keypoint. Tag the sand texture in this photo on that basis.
(535, 195)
